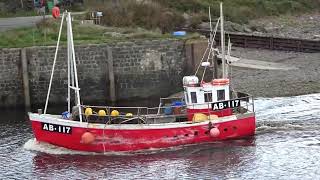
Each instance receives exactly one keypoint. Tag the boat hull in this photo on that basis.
(134, 137)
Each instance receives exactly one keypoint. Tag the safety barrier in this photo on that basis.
(267, 42)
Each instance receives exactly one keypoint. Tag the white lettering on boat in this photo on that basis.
(226, 104)
(56, 128)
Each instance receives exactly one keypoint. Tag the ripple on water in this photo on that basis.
(286, 146)
(297, 108)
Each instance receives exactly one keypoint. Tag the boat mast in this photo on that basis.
(73, 62)
(228, 57)
(222, 42)
(211, 41)
(72, 68)
(212, 53)
(53, 66)
(69, 65)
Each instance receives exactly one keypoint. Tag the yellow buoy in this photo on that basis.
(88, 112)
(199, 117)
(115, 113)
(102, 113)
(129, 115)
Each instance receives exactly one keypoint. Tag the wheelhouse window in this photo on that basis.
(193, 97)
(187, 97)
(221, 95)
(208, 97)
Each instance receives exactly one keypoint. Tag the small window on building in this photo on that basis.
(207, 97)
(221, 95)
(193, 97)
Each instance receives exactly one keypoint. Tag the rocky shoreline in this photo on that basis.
(304, 79)
(305, 26)
(301, 77)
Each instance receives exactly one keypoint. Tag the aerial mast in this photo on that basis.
(54, 64)
(72, 68)
(222, 42)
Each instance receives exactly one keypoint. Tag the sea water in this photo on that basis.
(286, 146)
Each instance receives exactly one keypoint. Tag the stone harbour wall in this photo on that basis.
(142, 69)
(11, 86)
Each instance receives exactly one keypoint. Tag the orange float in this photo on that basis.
(205, 84)
(87, 138)
(220, 81)
(214, 132)
(55, 12)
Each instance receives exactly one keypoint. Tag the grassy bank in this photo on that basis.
(46, 33)
(166, 14)
(245, 10)
(20, 13)
(151, 19)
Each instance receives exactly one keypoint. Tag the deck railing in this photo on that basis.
(165, 109)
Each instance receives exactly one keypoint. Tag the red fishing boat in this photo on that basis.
(209, 111)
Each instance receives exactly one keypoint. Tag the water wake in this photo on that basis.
(34, 145)
(297, 108)
(288, 113)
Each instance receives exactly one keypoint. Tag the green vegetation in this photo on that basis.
(146, 14)
(46, 33)
(149, 19)
(19, 13)
(166, 14)
(244, 10)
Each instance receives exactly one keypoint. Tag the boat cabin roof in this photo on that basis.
(206, 92)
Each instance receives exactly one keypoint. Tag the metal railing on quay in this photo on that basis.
(266, 42)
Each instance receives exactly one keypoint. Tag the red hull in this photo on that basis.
(138, 139)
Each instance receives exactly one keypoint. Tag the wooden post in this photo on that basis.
(245, 42)
(110, 73)
(299, 46)
(25, 77)
(271, 43)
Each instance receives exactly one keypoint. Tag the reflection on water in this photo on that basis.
(286, 146)
(164, 164)
(192, 161)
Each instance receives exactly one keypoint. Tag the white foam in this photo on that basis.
(34, 145)
(294, 108)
